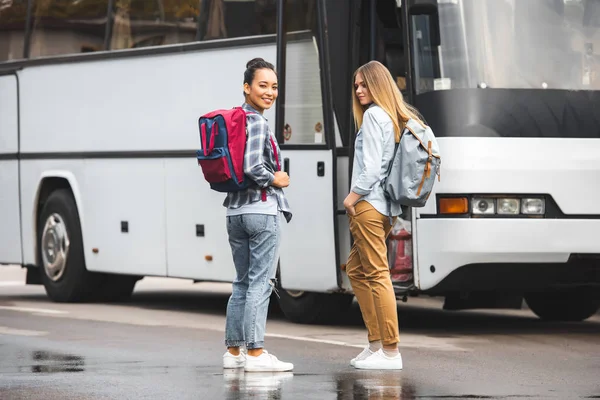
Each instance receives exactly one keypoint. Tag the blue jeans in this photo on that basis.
(254, 240)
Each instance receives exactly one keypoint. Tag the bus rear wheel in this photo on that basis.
(564, 305)
(116, 288)
(313, 308)
(60, 250)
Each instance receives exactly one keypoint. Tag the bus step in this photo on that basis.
(403, 289)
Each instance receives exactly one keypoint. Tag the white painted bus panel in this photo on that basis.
(190, 202)
(106, 192)
(138, 103)
(451, 243)
(116, 190)
(9, 128)
(32, 174)
(10, 231)
(308, 245)
(567, 169)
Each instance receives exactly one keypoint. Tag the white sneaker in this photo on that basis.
(379, 360)
(266, 363)
(231, 361)
(364, 354)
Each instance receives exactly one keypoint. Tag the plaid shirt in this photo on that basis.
(259, 165)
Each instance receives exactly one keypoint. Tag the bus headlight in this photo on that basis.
(509, 206)
(483, 206)
(533, 206)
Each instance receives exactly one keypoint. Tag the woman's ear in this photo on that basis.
(246, 88)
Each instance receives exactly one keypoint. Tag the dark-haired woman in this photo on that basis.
(254, 219)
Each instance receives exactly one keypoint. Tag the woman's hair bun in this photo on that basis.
(255, 62)
(253, 65)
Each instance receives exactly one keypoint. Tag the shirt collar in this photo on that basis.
(248, 108)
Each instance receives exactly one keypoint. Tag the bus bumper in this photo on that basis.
(486, 254)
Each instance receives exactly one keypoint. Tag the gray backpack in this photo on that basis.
(413, 169)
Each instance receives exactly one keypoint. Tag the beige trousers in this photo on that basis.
(369, 274)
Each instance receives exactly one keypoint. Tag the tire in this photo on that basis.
(313, 308)
(117, 287)
(566, 305)
(59, 238)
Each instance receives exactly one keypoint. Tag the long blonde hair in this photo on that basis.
(385, 94)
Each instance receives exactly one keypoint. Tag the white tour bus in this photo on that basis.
(99, 106)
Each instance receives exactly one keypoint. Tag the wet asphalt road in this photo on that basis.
(166, 343)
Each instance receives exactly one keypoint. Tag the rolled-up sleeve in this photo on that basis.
(254, 163)
(372, 155)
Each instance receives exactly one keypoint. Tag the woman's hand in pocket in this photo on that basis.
(281, 180)
(351, 211)
(349, 203)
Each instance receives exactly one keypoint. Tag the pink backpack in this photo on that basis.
(223, 139)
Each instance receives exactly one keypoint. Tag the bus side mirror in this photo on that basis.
(429, 8)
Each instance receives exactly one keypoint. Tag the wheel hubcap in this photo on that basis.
(55, 247)
(295, 293)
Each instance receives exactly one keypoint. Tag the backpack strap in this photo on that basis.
(387, 197)
(263, 192)
(274, 146)
(211, 145)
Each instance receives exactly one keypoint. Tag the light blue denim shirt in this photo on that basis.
(373, 152)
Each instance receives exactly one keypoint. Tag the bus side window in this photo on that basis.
(65, 27)
(390, 41)
(12, 33)
(395, 58)
(304, 121)
(222, 19)
(427, 67)
(141, 23)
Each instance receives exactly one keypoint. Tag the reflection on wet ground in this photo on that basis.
(49, 362)
(360, 386)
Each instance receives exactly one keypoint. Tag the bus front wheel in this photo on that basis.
(311, 308)
(564, 305)
(60, 250)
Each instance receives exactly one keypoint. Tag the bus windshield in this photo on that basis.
(510, 44)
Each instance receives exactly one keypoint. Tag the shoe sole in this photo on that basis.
(259, 369)
(234, 365)
(381, 368)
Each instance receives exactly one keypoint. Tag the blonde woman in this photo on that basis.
(381, 113)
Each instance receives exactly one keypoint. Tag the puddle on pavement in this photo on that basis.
(355, 385)
(50, 362)
(346, 386)
(374, 385)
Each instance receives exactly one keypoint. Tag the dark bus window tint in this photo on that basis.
(12, 29)
(222, 19)
(145, 23)
(301, 15)
(68, 27)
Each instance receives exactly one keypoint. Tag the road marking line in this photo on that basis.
(20, 332)
(307, 339)
(33, 310)
(12, 283)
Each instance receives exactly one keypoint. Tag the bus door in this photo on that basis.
(382, 37)
(10, 233)
(308, 250)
